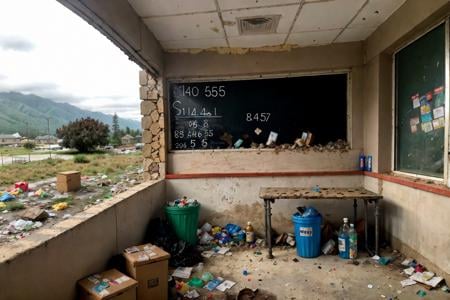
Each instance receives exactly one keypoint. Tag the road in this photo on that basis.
(7, 160)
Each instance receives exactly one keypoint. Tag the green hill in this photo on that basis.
(17, 109)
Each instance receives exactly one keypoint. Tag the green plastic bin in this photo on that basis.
(184, 221)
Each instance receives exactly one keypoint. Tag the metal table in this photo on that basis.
(270, 194)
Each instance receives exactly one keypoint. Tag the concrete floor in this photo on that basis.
(325, 277)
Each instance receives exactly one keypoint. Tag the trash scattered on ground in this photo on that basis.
(182, 272)
(35, 201)
(421, 293)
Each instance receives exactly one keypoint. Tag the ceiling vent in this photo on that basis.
(258, 25)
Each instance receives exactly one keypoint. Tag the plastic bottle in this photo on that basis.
(343, 240)
(353, 242)
(249, 233)
(362, 161)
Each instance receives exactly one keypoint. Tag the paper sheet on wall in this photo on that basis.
(438, 112)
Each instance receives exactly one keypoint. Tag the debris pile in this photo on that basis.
(25, 207)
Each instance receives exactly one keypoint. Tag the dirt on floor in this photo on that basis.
(326, 277)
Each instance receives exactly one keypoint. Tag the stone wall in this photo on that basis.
(152, 111)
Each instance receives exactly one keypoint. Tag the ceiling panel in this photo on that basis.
(253, 41)
(236, 4)
(146, 8)
(194, 44)
(287, 17)
(327, 15)
(199, 26)
(376, 12)
(355, 34)
(313, 38)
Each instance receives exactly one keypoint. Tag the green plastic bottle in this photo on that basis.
(353, 241)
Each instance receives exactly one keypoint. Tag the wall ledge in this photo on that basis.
(262, 174)
(40, 237)
(415, 183)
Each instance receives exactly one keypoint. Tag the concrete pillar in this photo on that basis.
(153, 123)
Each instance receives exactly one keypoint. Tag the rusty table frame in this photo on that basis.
(270, 194)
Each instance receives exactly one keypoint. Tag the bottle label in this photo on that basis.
(353, 253)
(250, 237)
(342, 247)
(306, 231)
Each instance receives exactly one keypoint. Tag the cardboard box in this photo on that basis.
(149, 265)
(68, 181)
(121, 287)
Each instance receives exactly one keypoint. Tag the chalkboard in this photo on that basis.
(216, 114)
(420, 105)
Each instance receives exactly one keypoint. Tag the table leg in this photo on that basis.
(265, 219)
(269, 227)
(355, 211)
(377, 229)
(366, 229)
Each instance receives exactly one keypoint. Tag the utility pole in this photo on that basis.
(48, 137)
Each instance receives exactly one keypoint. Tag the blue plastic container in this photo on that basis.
(307, 235)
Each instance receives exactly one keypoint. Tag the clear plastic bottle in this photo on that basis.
(343, 240)
(353, 242)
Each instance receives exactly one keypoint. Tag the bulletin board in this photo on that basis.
(420, 105)
(216, 114)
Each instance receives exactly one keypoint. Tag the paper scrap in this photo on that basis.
(409, 271)
(406, 262)
(103, 293)
(438, 112)
(407, 282)
(422, 277)
(414, 121)
(210, 286)
(433, 282)
(424, 109)
(258, 131)
(132, 249)
(142, 257)
(272, 138)
(193, 294)
(182, 272)
(438, 123)
(375, 257)
(427, 127)
(427, 118)
(227, 284)
(122, 279)
(208, 254)
(416, 101)
(223, 250)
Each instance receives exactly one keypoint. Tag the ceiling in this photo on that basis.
(203, 24)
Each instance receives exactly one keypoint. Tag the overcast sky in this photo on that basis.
(47, 50)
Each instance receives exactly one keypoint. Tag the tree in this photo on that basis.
(84, 134)
(29, 145)
(115, 138)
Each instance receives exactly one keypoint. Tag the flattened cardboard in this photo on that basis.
(124, 289)
(135, 258)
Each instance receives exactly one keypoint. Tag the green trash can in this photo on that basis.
(184, 221)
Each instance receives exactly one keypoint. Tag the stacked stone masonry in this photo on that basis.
(152, 111)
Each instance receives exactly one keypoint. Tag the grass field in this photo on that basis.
(108, 164)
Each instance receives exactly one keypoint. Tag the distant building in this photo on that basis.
(127, 139)
(10, 139)
(46, 139)
(138, 139)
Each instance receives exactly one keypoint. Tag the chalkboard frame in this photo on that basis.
(446, 153)
(204, 79)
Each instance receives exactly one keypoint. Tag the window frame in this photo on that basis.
(445, 176)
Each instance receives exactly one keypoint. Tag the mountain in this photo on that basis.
(16, 109)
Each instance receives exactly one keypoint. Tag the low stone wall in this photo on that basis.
(153, 124)
(47, 264)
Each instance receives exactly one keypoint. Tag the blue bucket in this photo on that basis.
(307, 235)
